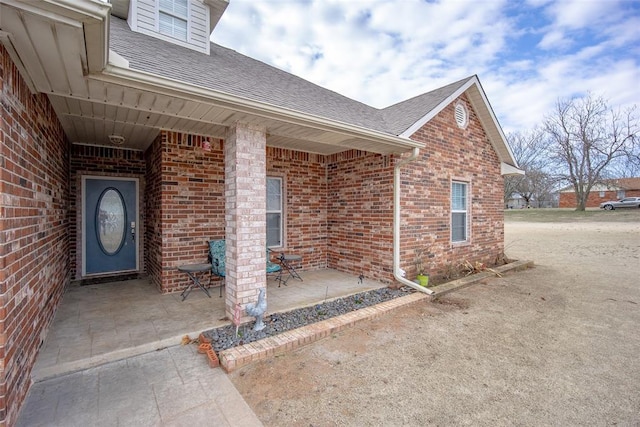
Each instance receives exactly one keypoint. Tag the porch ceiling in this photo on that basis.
(60, 50)
(101, 109)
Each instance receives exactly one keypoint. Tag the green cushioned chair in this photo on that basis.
(272, 267)
(216, 259)
(217, 256)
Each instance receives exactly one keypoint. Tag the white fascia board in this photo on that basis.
(151, 82)
(462, 89)
(507, 169)
(92, 9)
(216, 10)
(431, 114)
(49, 13)
(74, 10)
(96, 41)
(512, 159)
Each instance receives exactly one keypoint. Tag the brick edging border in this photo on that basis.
(458, 284)
(236, 357)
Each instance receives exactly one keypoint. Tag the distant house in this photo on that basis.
(128, 140)
(610, 189)
(516, 201)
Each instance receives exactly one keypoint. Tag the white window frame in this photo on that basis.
(456, 211)
(175, 16)
(279, 211)
(620, 194)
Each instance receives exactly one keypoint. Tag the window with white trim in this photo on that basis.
(620, 194)
(274, 212)
(173, 17)
(459, 212)
(601, 194)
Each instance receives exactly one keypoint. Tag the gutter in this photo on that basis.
(71, 12)
(397, 273)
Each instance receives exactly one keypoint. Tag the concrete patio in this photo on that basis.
(102, 323)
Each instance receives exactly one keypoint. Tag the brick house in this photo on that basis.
(128, 140)
(609, 189)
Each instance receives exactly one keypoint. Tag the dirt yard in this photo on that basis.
(558, 344)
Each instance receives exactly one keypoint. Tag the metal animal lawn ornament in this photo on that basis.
(257, 310)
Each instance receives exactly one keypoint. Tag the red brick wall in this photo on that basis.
(190, 192)
(100, 161)
(451, 153)
(360, 214)
(568, 200)
(305, 188)
(185, 204)
(153, 212)
(339, 209)
(34, 243)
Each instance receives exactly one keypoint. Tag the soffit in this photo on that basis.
(102, 109)
(50, 47)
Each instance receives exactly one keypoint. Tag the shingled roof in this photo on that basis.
(399, 117)
(624, 183)
(230, 72)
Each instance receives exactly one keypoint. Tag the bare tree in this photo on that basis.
(529, 150)
(625, 167)
(585, 136)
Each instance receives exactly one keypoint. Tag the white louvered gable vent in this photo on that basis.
(462, 117)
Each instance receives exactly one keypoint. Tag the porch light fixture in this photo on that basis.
(116, 139)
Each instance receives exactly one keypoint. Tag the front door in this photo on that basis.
(110, 230)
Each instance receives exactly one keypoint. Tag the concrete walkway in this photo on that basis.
(98, 324)
(112, 356)
(170, 387)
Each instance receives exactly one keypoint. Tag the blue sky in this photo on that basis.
(527, 54)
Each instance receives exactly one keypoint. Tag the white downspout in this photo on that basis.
(396, 225)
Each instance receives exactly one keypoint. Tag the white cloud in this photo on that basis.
(553, 40)
(384, 51)
(580, 13)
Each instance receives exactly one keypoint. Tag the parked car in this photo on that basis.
(627, 202)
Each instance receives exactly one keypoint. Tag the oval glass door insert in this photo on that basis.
(110, 221)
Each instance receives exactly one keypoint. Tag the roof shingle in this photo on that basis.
(230, 72)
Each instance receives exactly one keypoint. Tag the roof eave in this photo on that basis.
(507, 169)
(94, 17)
(147, 81)
(480, 103)
(216, 10)
(58, 24)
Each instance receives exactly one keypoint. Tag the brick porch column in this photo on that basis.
(245, 214)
